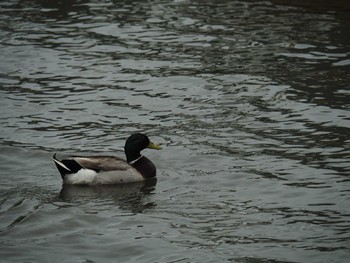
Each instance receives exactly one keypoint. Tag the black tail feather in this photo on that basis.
(67, 166)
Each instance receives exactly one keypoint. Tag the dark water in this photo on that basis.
(250, 100)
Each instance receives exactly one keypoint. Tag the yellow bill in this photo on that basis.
(152, 145)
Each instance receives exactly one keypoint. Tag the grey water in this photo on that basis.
(249, 99)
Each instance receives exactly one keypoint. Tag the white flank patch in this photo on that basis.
(90, 177)
(83, 176)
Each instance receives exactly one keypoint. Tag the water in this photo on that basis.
(250, 100)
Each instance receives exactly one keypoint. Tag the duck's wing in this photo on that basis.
(102, 163)
(96, 170)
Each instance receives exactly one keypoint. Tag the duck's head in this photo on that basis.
(135, 144)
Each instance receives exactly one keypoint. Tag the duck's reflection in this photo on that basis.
(132, 197)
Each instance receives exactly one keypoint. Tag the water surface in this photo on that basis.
(250, 100)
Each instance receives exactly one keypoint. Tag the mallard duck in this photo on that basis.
(91, 170)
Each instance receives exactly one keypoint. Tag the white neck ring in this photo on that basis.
(134, 161)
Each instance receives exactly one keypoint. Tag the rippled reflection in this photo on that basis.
(129, 197)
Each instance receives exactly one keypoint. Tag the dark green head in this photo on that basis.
(135, 144)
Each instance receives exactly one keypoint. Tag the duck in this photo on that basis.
(106, 170)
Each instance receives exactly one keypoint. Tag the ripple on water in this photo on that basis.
(249, 100)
